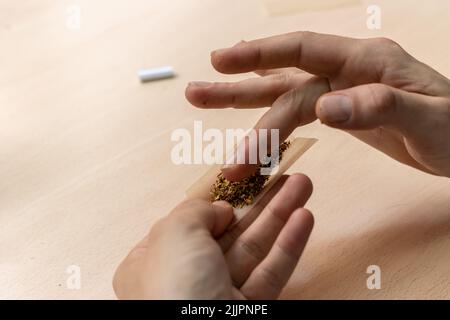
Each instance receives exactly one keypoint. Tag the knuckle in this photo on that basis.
(281, 82)
(385, 48)
(252, 249)
(234, 233)
(282, 78)
(271, 278)
(294, 104)
(383, 98)
(277, 214)
(288, 98)
(387, 43)
(291, 102)
(256, 56)
(298, 38)
(304, 34)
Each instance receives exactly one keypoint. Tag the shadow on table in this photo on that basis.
(407, 251)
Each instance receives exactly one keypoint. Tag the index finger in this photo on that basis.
(316, 53)
(292, 109)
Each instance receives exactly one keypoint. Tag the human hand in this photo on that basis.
(190, 254)
(371, 88)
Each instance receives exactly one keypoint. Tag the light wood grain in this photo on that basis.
(85, 148)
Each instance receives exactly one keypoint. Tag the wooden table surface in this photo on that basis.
(85, 164)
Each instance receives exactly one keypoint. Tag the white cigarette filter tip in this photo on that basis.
(156, 73)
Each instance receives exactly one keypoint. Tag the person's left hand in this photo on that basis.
(191, 255)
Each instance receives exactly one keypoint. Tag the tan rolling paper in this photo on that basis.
(201, 188)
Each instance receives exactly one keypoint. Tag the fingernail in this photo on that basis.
(231, 172)
(227, 167)
(222, 204)
(240, 42)
(336, 108)
(200, 83)
(217, 51)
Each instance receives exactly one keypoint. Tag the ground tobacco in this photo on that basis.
(243, 192)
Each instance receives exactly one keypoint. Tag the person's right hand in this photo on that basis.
(371, 88)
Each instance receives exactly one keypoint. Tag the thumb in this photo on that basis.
(200, 214)
(224, 216)
(374, 105)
